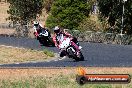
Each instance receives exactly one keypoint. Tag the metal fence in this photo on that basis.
(6, 26)
(100, 37)
(20, 31)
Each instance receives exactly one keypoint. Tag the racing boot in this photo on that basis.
(62, 53)
(80, 47)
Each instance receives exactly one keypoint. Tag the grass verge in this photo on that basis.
(48, 53)
(55, 78)
(16, 55)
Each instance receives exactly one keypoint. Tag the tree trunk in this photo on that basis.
(25, 29)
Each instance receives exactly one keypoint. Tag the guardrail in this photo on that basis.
(6, 26)
(20, 31)
(100, 37)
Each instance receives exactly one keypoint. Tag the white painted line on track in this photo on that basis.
(47, 61)
(17, 63)
(55, 60)
(12, 46)
(34, 62)
(62, 58)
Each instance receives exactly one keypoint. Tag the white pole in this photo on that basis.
(122, 20)
(122, 28)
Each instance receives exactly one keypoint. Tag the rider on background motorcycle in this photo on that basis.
(38, 28)
(57, 38)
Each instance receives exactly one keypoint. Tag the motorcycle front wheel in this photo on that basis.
(81, 57)
(71, 54)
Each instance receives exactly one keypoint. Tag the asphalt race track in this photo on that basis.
(95, 54)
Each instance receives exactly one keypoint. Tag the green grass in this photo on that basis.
(60, 81)
(48, 53)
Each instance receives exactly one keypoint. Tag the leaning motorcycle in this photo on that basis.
(68, 49)
(45, 38)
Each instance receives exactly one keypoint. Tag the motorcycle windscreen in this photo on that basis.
(45, 33)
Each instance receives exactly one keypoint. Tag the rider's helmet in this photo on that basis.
(36, 24)
(56, 30)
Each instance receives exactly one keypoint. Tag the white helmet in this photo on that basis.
(56, 29)
(36, 23)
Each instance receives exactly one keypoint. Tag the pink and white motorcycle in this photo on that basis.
(69, 48)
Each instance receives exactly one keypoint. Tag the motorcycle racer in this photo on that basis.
(58, 37)
(38, 28)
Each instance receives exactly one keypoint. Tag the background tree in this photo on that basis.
(48, 4)
(23, 11)
(112, 10)
(68, 13)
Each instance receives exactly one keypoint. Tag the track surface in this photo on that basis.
(96, 54)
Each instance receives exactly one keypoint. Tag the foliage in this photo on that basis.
(68, 13)
(48, 4)
(24, 10)
(48, 53)
(113, 9)
(90, 24)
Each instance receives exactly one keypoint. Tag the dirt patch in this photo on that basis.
(7, 31)
(3, 12)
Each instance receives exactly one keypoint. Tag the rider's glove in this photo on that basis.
(36, 34)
